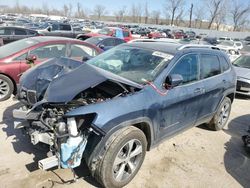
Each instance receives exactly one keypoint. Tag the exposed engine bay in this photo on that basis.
(67, 136)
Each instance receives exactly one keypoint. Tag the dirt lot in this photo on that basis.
(196, 158)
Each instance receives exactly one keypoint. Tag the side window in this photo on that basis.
(187, 67)
(65, 27)
(20, 32)
(55, 27)
(79, 51)
(108, 42)
(118, 41)
(5, 32)
(210, 65)
(21, 57)
(32, 32)
(50, 51)
(224, 64)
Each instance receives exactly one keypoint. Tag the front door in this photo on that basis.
(180, 106)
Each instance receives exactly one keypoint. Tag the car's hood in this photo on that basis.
(64, 88)
(242, 72)
(39, 77)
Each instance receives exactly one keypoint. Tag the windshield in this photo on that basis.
(105, 31)
(94, 40)
(135, 64)
(242, 61)
(226, 43)
(15, 47)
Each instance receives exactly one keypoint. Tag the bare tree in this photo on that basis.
(174, 7)
(146, 12)
(179, 17)
(199, 15)
(99, 11)
(70, 10)
(239, 13)
(45, 8)
(65, 10)
(133, 13)
(139, 12)
(156, 16)
(190, 15)
(80, 13)
(120, 14)
(214, 7)
(221, 17)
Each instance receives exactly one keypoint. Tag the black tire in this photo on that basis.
(6, 87)
(217, 123)
(105, 172)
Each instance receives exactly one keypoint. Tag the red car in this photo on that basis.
(13, 57)
(179, 34)
(155, 35)
(110, 31)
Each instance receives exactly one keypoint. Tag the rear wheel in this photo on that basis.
(123, 158)
(6, 87)
(221, 117)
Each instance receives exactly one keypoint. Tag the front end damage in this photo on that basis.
(48, 121)
(66, 136)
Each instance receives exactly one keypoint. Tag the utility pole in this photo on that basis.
(190, 17)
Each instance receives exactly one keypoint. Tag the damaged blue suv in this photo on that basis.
(112, 109)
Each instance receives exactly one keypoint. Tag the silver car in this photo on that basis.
(242, 68)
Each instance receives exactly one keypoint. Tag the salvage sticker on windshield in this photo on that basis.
(163, 55)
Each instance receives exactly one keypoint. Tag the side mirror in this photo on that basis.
(30, 59)
(173, 80)
(49, 28)
(101, 46)
(85, 59)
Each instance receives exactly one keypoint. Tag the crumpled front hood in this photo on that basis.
(63, 89)
(39, 77)
(242, 72)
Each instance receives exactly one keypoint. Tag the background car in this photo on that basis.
(105, 42)
(122, 33)
(13, 57)
(10, 34)
(242, 68)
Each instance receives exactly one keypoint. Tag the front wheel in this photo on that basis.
(123, 158)
(221, 117)
(6, 87)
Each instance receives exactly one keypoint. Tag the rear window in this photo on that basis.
(94, 40)
(15, 47)
(125, 33)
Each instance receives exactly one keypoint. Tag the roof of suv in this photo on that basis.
(173, 48)
(170, 48)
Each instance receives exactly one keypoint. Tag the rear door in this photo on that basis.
(213, 83)
(7, 35)
(20, 33)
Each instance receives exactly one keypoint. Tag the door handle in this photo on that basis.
(199, 90)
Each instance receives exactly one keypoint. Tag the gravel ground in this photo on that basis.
(196, 158)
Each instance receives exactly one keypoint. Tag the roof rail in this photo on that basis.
(198, 46)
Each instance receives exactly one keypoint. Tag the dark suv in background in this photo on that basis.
(11, 34)
(112, 109)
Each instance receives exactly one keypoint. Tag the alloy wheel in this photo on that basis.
(127, 160)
